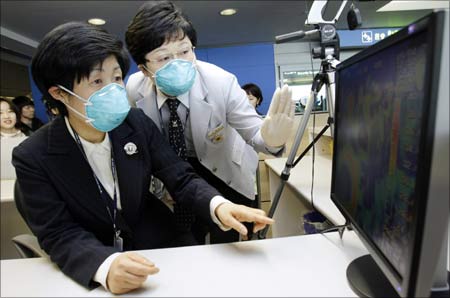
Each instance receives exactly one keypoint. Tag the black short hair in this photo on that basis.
(21, 101)
(69, 52)
(15, 109)
(155, 23)
(254, 90)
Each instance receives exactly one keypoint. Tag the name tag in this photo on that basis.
(118, 241)
(216, 134)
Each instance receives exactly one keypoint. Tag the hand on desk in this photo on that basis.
(128, 272)
(231, 215)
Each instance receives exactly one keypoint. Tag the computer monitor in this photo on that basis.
(391, 159)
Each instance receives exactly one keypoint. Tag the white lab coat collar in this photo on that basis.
(161, 99)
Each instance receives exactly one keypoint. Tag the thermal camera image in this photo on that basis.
(378, 128)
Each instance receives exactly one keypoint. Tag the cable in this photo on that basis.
(334, 228)
(314, 125)
(313, 163)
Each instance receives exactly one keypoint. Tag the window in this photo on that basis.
(300, 82)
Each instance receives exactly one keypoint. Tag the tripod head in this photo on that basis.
(329, 42)
(326, 30)
(328, 37)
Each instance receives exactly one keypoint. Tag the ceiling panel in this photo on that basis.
(256, 21)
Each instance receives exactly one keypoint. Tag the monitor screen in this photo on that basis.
(377, 153)
(381, 161)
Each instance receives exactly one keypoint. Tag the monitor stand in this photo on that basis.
(367, 280)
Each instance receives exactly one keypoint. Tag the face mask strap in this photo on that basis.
(194, 62)
(151, 72)
(86, 102)
(87, 119)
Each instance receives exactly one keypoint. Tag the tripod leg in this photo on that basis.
(286, 172)
(319, 80)
(330, 90)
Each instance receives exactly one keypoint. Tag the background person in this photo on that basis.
(11, 135)
(9, 114)
(254, 95)
(205, 104)
(27, 117)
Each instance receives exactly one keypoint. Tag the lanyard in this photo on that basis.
(112, 214)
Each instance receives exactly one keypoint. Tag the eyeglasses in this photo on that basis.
(163, 58)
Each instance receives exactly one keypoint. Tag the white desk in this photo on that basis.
(296, 195)
(310, 265)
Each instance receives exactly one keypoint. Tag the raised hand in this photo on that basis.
(277, 125)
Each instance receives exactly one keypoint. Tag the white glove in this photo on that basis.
(278, 123)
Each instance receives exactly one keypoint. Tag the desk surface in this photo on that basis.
(300, 181)
(310, 265)
(7, 190)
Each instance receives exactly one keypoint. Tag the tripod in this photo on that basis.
(324, 77)
(328, 52)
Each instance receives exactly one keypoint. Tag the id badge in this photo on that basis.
(118, 241)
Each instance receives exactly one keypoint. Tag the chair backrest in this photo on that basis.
(7, 146)
(28, 246)
(18, 198)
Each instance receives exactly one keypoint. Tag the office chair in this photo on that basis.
(27, 245)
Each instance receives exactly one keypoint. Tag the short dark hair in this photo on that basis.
(254, 90)
(155, 23)
(15, 109)
(21, 101)
(69, 52)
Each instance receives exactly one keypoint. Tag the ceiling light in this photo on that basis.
(96, 21)
(228, 12)
(396, 5)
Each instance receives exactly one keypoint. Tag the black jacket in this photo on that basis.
(62, 205)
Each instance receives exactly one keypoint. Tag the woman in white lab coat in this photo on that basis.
(217, 119)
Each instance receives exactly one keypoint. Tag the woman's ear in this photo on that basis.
(144, 70)
(58, 94)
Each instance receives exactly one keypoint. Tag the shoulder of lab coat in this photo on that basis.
(223, 88)
(137, 87)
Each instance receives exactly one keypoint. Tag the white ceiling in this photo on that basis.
(24, 23)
